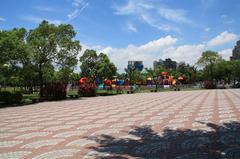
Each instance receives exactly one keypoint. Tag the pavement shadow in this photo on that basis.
(223, 142)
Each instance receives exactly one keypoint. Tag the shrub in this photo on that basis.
(11, 97)
(87, 90)
(54, 91)
(236, 85)
(209, 85)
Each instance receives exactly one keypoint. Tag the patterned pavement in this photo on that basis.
(148, 125)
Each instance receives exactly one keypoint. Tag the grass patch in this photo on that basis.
(72, 92)
(106, 92)
(10, 89)
(31, 96)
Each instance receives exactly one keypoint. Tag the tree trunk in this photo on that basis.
(41, 80)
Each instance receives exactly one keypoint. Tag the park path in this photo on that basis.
(66, 128)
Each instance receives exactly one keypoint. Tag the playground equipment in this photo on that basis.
(120, 82)
(167, 79)
(149, 81)
(82, 80)
(107, 82)
(181, 78)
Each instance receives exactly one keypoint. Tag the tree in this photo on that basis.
(223, 71)
(13, 47)
(52, 46)
(88, 63)
(99, 65)
(150, 72)
(132, 73)
(192, 74)
(63, 74)
(188, 71)
(235, 67)
(14, 54)
(104, 68)
(207, 60)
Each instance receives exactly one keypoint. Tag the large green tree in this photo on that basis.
(132, 74)
(235, 67)
(105, 69)
(223, 71)
(99, 65)
(88, 63)
(207, 61)
(52, 46)
(14, 55)
(13, 48)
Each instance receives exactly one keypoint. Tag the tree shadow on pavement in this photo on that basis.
(223, 142)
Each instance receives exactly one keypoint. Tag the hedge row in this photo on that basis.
(54, 91)
(7, 97)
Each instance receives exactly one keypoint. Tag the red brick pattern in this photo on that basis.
(61, 129)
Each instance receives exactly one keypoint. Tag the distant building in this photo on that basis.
(168, 64)
(158, 63)
(236, 52)
(137, 64)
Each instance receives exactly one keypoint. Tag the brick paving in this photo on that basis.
(75, 128)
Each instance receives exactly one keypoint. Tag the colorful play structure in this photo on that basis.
(164, 79)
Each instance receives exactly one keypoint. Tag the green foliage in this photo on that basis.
(88, 63)
(49, 52)
(11, 97)
(208, 60)
(235, 67)
(64, 74)
(99, 65)
(13, 47)
(51, 46)
(31, 58)
(13, 55)
(133, 74)
(104, 68)
(150, 72)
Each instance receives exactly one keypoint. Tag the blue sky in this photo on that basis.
(136, 29)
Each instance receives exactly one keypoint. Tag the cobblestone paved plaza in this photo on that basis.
(145, 125)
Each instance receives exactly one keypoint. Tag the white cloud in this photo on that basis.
(153, 14)
(226, 19)
(131, 27)
(207, 29)
(38, 20)
(226, 54)
(106, 50)
(223, 38)
(73, 14)
(147, 52)
(223, 16)
(79, 6)
(175, 15)
(77, 3)
(156, 24)
(2, 19)
(187, 53)
(162, 48)
(44, 8)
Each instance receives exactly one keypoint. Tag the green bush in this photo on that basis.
(11, 97)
